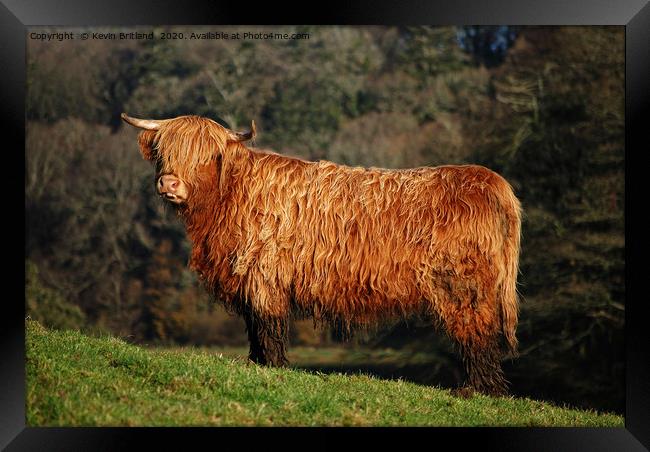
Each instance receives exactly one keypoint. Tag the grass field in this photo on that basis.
(76, 380)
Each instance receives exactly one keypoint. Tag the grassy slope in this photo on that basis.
(77, 380)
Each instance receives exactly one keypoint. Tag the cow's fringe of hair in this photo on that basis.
(343, 244)
(190, 142)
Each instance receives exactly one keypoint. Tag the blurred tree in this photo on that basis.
(563, 148)
(47, 306)
(161, 295)
(425, 52)
(305, 123)
(311, 101)
(488, 45)
(55, 90)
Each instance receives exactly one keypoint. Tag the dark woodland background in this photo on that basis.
(542, 106)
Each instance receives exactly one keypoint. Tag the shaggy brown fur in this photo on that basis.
(273, 235)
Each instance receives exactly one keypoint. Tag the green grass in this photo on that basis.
(76, 380)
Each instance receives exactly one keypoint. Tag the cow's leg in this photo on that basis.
(482, 361)
(255, 352)
(268, 339)
(471, 319)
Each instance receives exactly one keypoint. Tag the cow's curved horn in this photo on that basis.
(244, 136)
(147, 124)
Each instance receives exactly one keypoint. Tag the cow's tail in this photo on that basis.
(508, 298)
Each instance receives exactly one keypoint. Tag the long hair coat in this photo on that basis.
(347, 244)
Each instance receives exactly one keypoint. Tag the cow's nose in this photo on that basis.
(168, 184)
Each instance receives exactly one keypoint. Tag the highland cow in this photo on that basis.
(274, 236)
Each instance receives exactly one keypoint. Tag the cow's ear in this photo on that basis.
(146, 143)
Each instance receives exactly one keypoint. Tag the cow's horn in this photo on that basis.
(147, 124)
(245, 136)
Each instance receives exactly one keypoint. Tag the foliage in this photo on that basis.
(47, 306)
(568, 148)
(488, 45)
(74, 380)
(425, 52)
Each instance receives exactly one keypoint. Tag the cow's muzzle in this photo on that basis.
(172, 188)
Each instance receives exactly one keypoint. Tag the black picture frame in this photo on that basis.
(17, 15)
